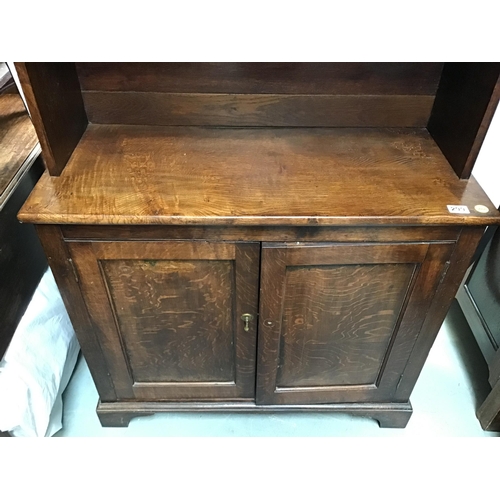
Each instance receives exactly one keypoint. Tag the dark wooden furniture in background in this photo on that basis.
(258, 237)
(22, 261)
(479, 298)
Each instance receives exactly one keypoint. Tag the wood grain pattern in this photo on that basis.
(155, 175)
(263, 78)
(258, 110)
(338, 321)
(467, 97)
(17, 138)
(326, 253)
(56, 106)
(407, 291)
(184, 250)
(175, 318)
(262, 233)
(170, 320)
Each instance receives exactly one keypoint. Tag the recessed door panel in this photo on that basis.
(169, 315)
(338, 321)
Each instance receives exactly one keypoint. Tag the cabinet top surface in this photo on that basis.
(122, 174)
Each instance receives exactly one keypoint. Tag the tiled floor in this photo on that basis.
(450, 388)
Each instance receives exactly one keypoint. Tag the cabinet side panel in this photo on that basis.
(56, 106)
(465, 102)
(448, 287)
(64, 274)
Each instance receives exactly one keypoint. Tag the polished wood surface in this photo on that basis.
(466, 99)
(53, 94)
(17, 139)
(263, 78)
(161, 175)
(157, 231)
(258, 110)
(338, 322)
(169, 316)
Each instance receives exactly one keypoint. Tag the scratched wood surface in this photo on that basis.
(161, 175)
(168, 316)
(17, 138)
(175, 318)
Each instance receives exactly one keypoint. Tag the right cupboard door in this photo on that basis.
(338, 321)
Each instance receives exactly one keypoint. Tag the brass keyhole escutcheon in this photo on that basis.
(246, 318)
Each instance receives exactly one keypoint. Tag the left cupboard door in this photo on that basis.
(169, 316)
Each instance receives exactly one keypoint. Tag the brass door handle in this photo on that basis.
(246, 318)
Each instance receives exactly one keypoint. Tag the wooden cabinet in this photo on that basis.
(169, 316)
(259, 237)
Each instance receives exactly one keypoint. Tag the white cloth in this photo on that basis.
(37, 365)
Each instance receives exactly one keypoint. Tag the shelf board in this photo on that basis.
(127, 174)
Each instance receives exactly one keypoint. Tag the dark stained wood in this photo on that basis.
(476, 322)
(331, 331)
(479, 298)
(489, 412)
(483, 287)
(169, 315)
(119, 414)
(64, 273)
(174, 317)
(263, 78)
(445, 293)
(256, 233)
(258, 110)
(185, 176)
(22, 261)
(53, 94)
(466, 99)
(338, 322)
(17, 139)
(160, 253)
